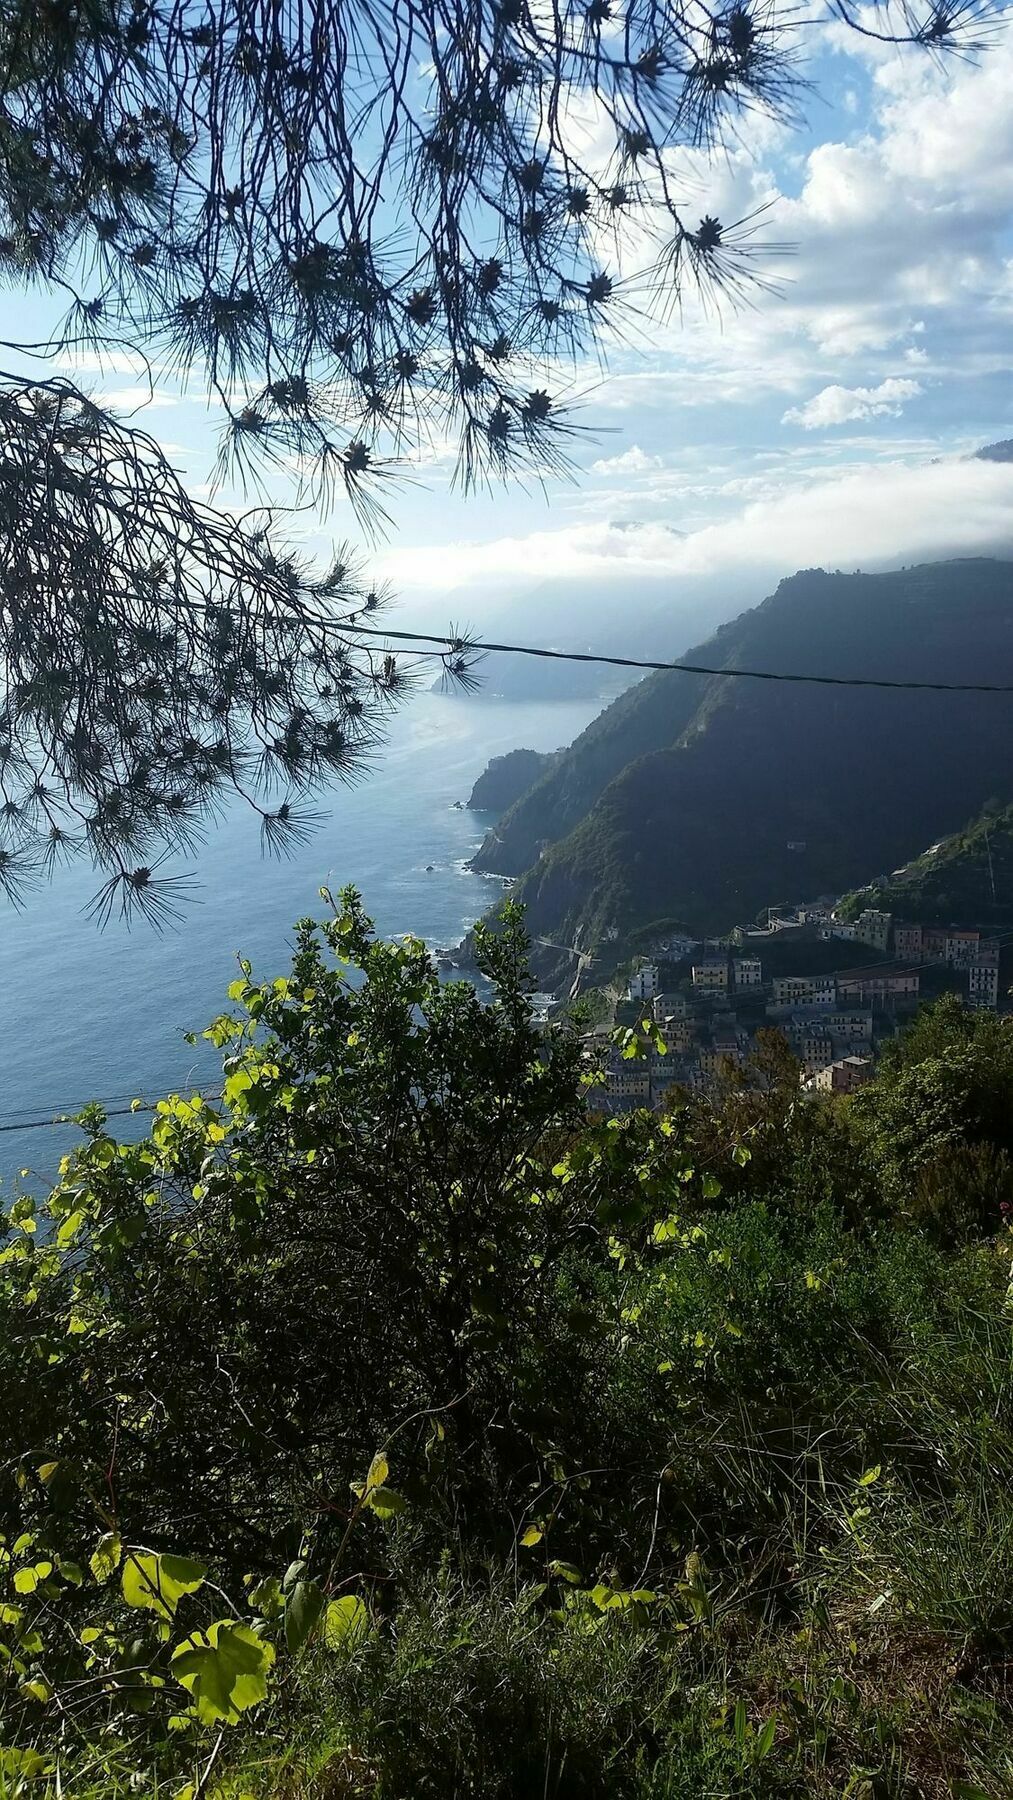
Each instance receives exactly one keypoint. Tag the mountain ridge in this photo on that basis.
(701, 799)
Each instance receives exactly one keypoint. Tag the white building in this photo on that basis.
(748, 971)
(804, 990)
(983, 985)
(644, 983)
(670, 1006)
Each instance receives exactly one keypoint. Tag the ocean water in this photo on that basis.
(90, 1015)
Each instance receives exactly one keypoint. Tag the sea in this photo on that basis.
(90, 1015)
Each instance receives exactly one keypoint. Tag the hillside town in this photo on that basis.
(834, 989)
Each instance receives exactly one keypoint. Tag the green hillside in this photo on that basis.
(968, 876)
(506, 778)
(688, 798)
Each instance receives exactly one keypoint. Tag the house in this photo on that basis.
(983, 985)
(675, 947)
(844, 1076)
(670, 1006)
(907, 943)
(873, 928)
(934, 943)
(643, 983)
(988, 952)
(815, 1050)
(838, 928)
(961, 947)
(880, 986)
(804, 990)
(677, 1033)
(712, 972)
(630, 1081)
(748, 971)
(854, 1026)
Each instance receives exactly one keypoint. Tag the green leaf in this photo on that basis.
(378, 1472)
(711, 1187)
(27, 1580)
(158, 1583)
(765, 1741)
(871, 1475)
(266, 1597)
(740, 1721)
(303, 1608)
(385, 1502)
(566, 1572)
(532, 1536)
(105, 1558)
(225, 1669)
(346, 1622)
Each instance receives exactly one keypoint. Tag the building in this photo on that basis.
(675, 947)
(838, 928)
(855, 1027)
(961, 947)
(988, 952)
(804, 990)
(644, 983)
(670, 1006)
(748, 971)
(934, 943)
(844, 1076)
(873, 928)
(815, 1050)
(711, 972)
(879, 986)
(629, 1081)
(907, 943)
(677, 1033)
(983, 985)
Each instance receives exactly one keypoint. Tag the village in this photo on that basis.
(835, 990)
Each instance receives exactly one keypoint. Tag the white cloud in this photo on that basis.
(838, 405)
(134, 399)
(870, 515)
(633, 461)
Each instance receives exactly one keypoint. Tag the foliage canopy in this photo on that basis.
(360, 227)
(394, 1383)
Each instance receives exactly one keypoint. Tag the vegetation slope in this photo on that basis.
(967, 876)
(390, 1427)
(701, 799)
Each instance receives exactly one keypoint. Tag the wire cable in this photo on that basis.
(467, 646)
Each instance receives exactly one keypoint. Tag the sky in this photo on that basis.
(829, 422)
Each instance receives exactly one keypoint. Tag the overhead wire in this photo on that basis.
(468, 646)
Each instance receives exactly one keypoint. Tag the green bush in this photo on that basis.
(392, 1426)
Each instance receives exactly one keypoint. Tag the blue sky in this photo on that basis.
(827, 423)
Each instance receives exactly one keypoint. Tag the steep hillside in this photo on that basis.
(654, 711)
(506, 778)
(968, 876)
(704, 798)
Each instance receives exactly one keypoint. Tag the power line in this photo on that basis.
(464, 646)
(111, 1112)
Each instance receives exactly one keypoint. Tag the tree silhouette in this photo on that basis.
(359, 223)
